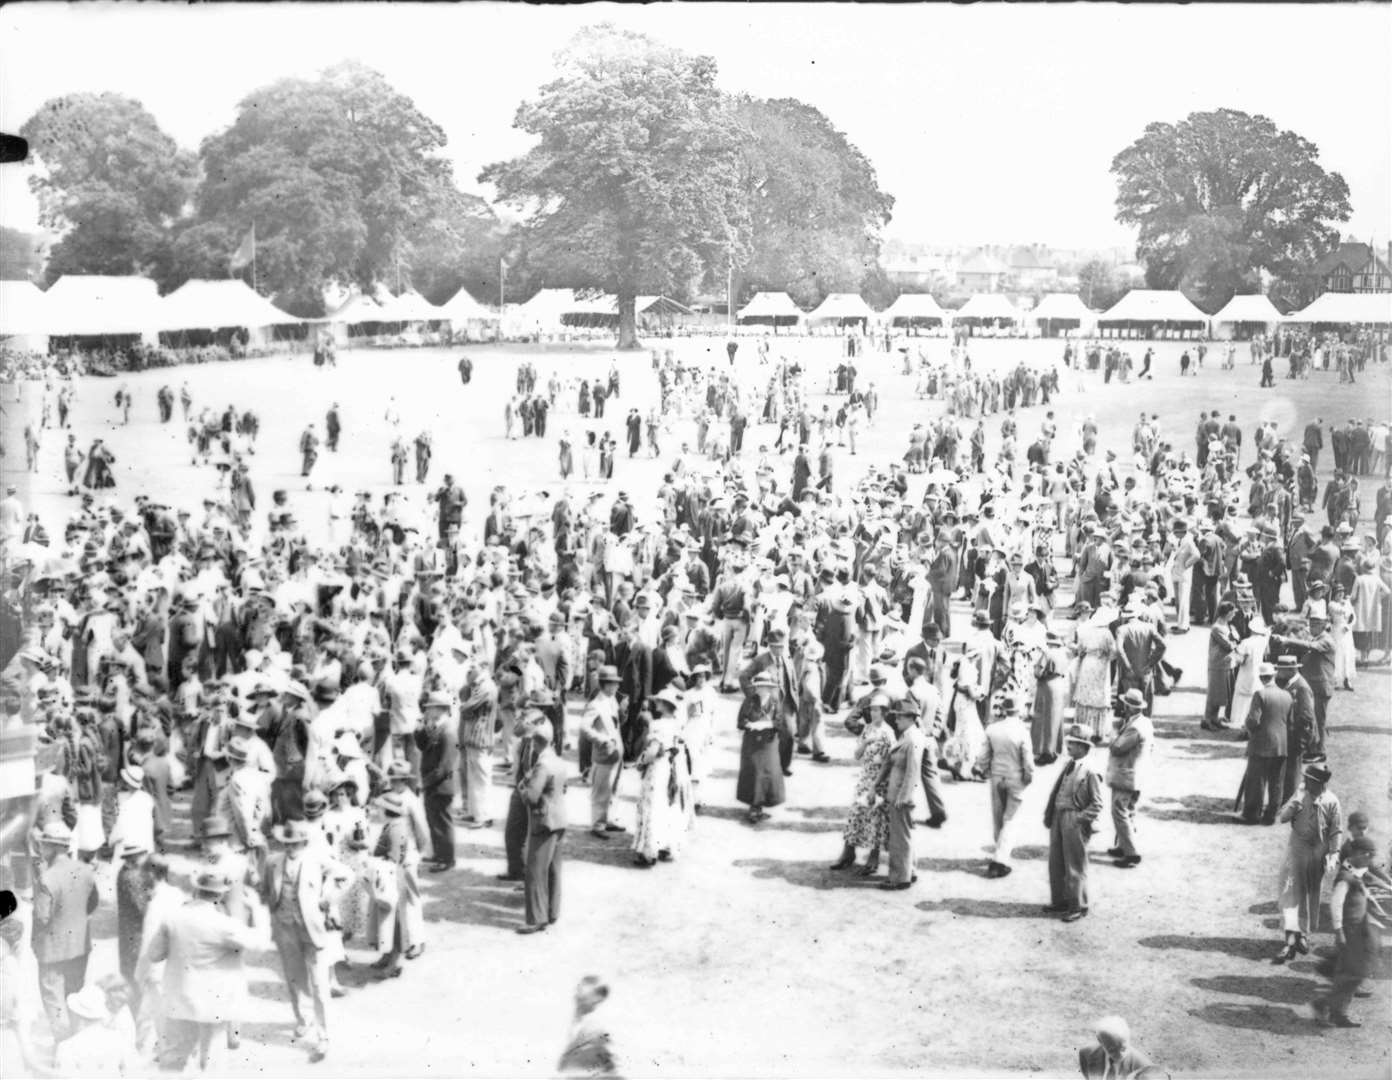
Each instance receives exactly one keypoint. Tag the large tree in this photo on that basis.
(340, 177)
(110, 181)
(815, 204)
(634, 183)
(1221, 197)
(21, 255)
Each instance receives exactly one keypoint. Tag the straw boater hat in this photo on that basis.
(1078, 734)
(133, 776)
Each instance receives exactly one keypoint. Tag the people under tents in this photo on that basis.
(1333, 310)
(1062, 314)
(771, 309)
(469, 320)
(1151, 314)
(90, 312)
(228, 313)
(1245, 317)
(986, 313)
(915, 312)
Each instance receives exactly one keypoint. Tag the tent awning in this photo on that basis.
(1347, 308)
(462, 307)
(83, 305)
(1062, 307)
(199, 304)
(914, 306)
(23, 308)
(987, 306)
(841, 306)
(1153, 306)
(1253, 308)
(770, 305)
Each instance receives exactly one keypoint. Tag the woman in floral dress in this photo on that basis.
(345, 828)
(969, 685)
(867, 825)
(1024, 643)
(1092, 674)
(664, 799)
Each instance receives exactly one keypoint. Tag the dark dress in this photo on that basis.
(761, 772)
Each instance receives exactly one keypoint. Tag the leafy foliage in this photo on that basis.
(111, 178)
(634, 184)
(815, 205)
(1099, 286)
(1222, 196)
(20, 258)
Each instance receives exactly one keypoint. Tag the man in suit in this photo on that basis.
(1140, 648)
(636, 670)
(776, 659)
(1008, 765)
(1092, 565)
(300, 889)
(1186, 555)
(515, 827)
(1267, 720)
(943, 571)
(1071, 816)
(1112, 1057)
(204, 985)
(65, 896)
(1125, 758)
(438, 738)
(543, 790)
(1314, 441)
(553, 653)
(901, 779)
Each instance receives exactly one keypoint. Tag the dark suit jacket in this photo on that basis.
(65, 896)
(543, 790)
(439, 747)
(785, 698)
(1267, 721)
(663, 670)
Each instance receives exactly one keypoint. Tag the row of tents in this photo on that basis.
(79, 306)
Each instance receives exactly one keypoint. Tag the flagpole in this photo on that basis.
(253, 257)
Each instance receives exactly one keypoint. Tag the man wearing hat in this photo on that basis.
(543, 790)
(438, 739)
(1140, 648)
(65, 896)
(1267, 722)
(901, 779)
(1301, 735)
(554, 650)
(204, 988)
(1008, 766)
(1071, 815)
(135, 813)
(600, 724)
(1358, 921)
(300, 888)
(1317, 830)
(1125, 763)
(245, 800)
(478, 717)
(1315, 650)
(515, 827)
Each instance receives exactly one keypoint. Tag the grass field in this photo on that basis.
(747, 955)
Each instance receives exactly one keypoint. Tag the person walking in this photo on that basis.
(600, 724)
(1006, 762)
(1071, 816)
(867, 822)
(1268, 719)
(65, 898)
(1125, 762)
(901, 779)
(1359, 921)
(760, 782)
(1317, 830)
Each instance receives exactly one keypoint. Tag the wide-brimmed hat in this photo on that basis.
(1286, 663)
(392, 804)
(1266, 670)
(216, 826)
(292, 832)
(1133, 699)
(668, 696)
(1076, 733)
(700, 669)
(1317, 771)
(89, 1003)
(315, 803)
(610, 674)
(211, 881)
(437, 699)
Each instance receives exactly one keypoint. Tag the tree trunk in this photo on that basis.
(628, 324)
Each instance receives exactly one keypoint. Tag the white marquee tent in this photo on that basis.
(409, 307)
(1061, 308)
(1348, 309)
(1252, 309)
(358, 308)
(95, 305)
(462, 307)
(840, 306)
(987, 307)
(198, 304)
(910, 307)
(1152, 306)
(771, 307)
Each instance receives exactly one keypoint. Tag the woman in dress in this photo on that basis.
(970, 684)
(664, 799)
(589, 457)
(1094, 652)
(867, 825)
(1025, 639)
(1367, 603)
(761, 773)
(566, 459)
(698, 731)
(1247, 658)
(345, 829)
(1050, 699)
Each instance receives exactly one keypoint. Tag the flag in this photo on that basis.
(246, 252)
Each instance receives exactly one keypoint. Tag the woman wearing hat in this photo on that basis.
(971, 687)
(867, 823)
(698, 728)
(760, 782)
(664, 799)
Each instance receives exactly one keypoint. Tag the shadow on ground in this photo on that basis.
(811, 875)
(971, 907)
(1193, 809)
(1277, 989)
(1279, 1020)
(1242, 948)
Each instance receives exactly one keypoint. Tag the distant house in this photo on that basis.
(914, 271)
(1353, 268)
(980, 272)
(1031, 267)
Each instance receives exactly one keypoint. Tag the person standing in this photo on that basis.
(309, 450)
(1071, 816)
(300, 888)
(1125, 759)
(1317, 829)
(867, 824)
(543, 791)
(760, 782)
(65, 897)
(1268, 718)
(777, 661)
(205, 987)
(333, 427)
(600, 724)
(901, 779)
(478, 718)
(438, 739)
(1358, 924)
(1006, 762)
(424, 448)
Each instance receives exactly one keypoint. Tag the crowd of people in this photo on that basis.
(331, 711)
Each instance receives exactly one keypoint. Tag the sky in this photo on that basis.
(987, 123)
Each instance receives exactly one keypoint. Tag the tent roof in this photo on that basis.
(653, 305)
(1154, 305)
(198, 304)
(914, 306)
(359, 308)
(769, 305)
(23, 307)
(842, 306)
(82, 304)
(548, 305)
(462, 306)
(1253, 307)
(1347, 308)
(410, 306)
(1062, 306)
(988, 306)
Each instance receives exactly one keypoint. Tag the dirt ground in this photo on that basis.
(747, 956)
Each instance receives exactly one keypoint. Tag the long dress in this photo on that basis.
(1025, 642)
(1092, 684)
(699, 733)
(1251, 651)
(664, 798)
(761, 774)
(961, 748)
(355, 902)
(868, 826)
(1050, 699)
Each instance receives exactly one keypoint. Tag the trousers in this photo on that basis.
(307, 974)
(542, 887)
(1124, 819)
(515, 835)
(1302, 876)
(1006, 796)
(901, 853)
(1264, 777)
(1182, 589)
(179, 1040)
(437, 820)
(56, 981)
(604, 781)
(475, 774)
(732, 635)
(1068, 862)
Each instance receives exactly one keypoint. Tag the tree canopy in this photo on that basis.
(634, 184)
(815, 205)
(111, 180)
(1221, 197)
